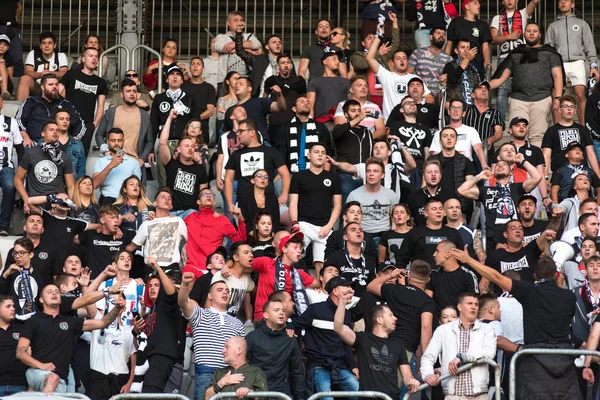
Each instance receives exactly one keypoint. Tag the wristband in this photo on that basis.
(217, 388)
(594, 66)
(459, 356)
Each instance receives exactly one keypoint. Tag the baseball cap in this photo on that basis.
(286, 239)
(527, 196)
(516, 120)
(465, 2)
(484, 83)
(415, 79)
(4, 38)
(574, 144)
(337, 281)
(327, 54)
(174, 68)
(220, 250)
(385, 265)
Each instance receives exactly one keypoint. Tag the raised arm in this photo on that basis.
(469, 189)
(371, 55)
(343, 331)
(534, 175)
(108, 318)
(486, 272)
(164, 153)
(183, 297)
(375, 285)
(165, 281)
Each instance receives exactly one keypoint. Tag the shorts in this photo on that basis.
(36, 378)
(311, 235)
(575, 72)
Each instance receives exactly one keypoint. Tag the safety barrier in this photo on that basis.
(464, 368)
(149, 396)
(142, 68)
(230, 395)
(513, 362)
(114, 49)
(370, 394)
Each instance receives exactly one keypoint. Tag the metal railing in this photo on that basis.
(370, 394)
(230, 395)
(149, 396)
(114, 49)
(133, 64)
(497, 394)
(512, 389)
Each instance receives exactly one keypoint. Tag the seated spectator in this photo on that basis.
(325, 92)
(588, 227)
(111, 170)
(93, 41)
(33, 113)
(428, 114)
(39, 62)
(311, 57)
(142, 100)
(47, 167)
(463, 73)
(134, 205)
(12, 370)
(428, 61)
(183, 174)
(67, 143)
(133, 120)
(87, 92)
(227, 99)
(168, 57)
(9, 134)
(586, 294)
(390, 242)
(592, 115)
(204, 93)
(563, 179)
(7, 67)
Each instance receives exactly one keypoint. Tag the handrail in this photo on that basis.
(110, 50)
(464, 368)
(512, 389)
(364, 393)
(230, 395)
(150, 396)
(157, 54)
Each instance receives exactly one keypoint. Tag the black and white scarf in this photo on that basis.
(53, 151)
(360, 275)
(298, 290)
(28, 306)
(590, 295)
(467, 83)
(397, 168)
(174, 94)
(294, 138)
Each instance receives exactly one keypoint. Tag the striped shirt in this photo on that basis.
(429, 66)
(211, 330)
(463, 385)
(485, 122)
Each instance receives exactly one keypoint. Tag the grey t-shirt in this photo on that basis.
(44, 176)
(329, 91)
(376, 208)
(314, 53)
(533, 81)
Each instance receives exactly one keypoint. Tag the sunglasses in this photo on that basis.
(131, 75)
(337, 33)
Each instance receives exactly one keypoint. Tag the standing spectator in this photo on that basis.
(592, 117)
(534, 81)
(352, 213)
(11, 26)
(204, 93)
(311, 57)
(169, 58)
(563, 178)
(112, 170)
(40, 62)
(214, 263)
(532, 228)
(463, 74)
(475, 30)
(227, 99)
(87, 91)
(67, 143)
(487, 121)
(428, 114)
(133, 120)
(508, 30)
(286, 373)
(464, 340)
(327, 91)
(427, 16)
(35, 111)
(428, 61)
(48, 168)
(456, 220)
(11, 136)
(315, 203)
(434, 187)
(391, 240)
(211, 65)
(142, 98)
(12, 371)
(574, 41)
(211, 328)
(229, 61)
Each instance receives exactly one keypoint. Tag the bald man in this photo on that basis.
(450, 280)
(238, 376)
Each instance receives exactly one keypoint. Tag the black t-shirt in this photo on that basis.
(422, 242)
(185, 181)
(83, 91)
(249, 159)
(446, 286)
(533, 154)
(262, 248)
(362, 309)
(408, 304)
(166, 328)
(547, 311)
(500, 207)
(44, 176)
(522, 261)
(101, 248)
(201, 288)
(12, 371)
(477, 32)
(52, 339)
(233, 143)
(355, 270)
(205, 94)
(292, 88)
(558, 137)
(315, 195)
(416, 203)
(392, 241)
(447, 183)
(44, 260)
(427, 115)
(530, 233)
(61, 230)
(88, 214)
(378, 362)
(257, 110)
(415, 137)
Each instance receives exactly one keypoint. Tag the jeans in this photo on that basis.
(7, 176)
(422, 37)
(597, 148)
(9, 389)
(324, 383)
(502, 97)
(348, 184)
(234, 199)
(201, 382)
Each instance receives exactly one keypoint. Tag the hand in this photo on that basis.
(151, 216)
(142, 303)
(151, 261)
(235, 211)
(118, 287)
(413, 385)
(48, 367)
(128, 217)
(172, 114)
(514, 35)
(482, 256)
(392, 16)
(324, 231)
(117, 159)
(14, 268)
(217, 215)
(394, 137)
(346, 298)
(120, 301)
(225, 273)
(282, 200)
(139, 324)
(472, 54)
(84, 278)
(384, 49)
(549, 235)
(556, 211)
(141, 162)
(242, 392)
(432, 380)
(27, 142)
(453, 366)
(485, 175)
(594, 73)
(356, 373)
(555, 105)
(460, 255)
(118, 234)
(229, 48)
(276, 90)
(332, 161)
(290, 333)
(490, 143)
(519, 158)
(141, 103)
(547, 201)
(588, 375)
(139, 282)
(220, 184)
(126, 388)
(110, 271)
(188, 279)
(490, 65)
(230, 379)
(26, 208)
(151, 159)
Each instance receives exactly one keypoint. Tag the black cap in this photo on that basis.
(415, 79)
(527, 197)
(385, 265)
(174, 68)
(336, 281)
(516, 120)
(484, 83)
(219, 250)
(327, 54)
(574, 144)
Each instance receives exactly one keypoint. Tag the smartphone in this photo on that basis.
(120, 152)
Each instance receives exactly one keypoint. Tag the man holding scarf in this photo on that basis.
(463, 74)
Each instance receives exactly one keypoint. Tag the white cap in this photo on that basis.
(5, 38)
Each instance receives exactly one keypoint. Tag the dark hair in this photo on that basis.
(590, 239)
(225, 85)
(463, 295)
(348, 225)
(251, 124)
(117, 131)
(48, 123)
(315, 144)
(567, 98)
(420, 269)
(373, 160)
(164, 189)
(545, 268)
(437, 28)
(118, 254)
(259, 215)
(506, 144)
(167, 40)
(62, 278)
(248, 80)
(410, 221)
(197, 58)
(463, 104)
(512, 274)
(235, 248)
(269, 302)
(61, 111)
(257, 171)
(108, 209)
(359, 78)
(485, 299)
(583, 219)
(25, 243)
(33, 214)
(589, 199)
(127, 82)
(432, 199)
(348, 104)
(4, 297)
(351, 204)
(278, 295)
(387, 144)
(321, 20)
(509, 222)
(46, 77)
(283, 55)
(462, 40)
(46, 35)
(376, 312)
(591, 259)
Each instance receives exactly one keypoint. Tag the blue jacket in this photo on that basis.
(77, 153)
(34, 113)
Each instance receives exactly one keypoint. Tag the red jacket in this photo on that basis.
(205, 234)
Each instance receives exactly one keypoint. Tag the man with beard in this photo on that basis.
(427, 113)
(463, 73)
(352, 213)
(359, 91)
(133, 120)
(574, 207)
(532, 228)
(37, 110)
(536, 75)
(428, 62)
(310, 59)
(499, 199)
(87, 91)
(327, 91)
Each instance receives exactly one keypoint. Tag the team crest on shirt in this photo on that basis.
(576, 28)
(43, 255)
(528, 153)
(5, 127)
(2, 154)
(16, 335)
(401, 88)
(164, 106)
(45, 171)
(64, 326)
(475, 32)
(327, 182)
(424, 110)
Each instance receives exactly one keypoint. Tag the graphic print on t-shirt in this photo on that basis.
(394, 248)
(163, 241)
(384, 358)
(515, 265)
(184, 182)
(567, 136)
(93, 89)
(251, 162)
(435, 239)
(376, 211)
(45, 171)
(401, 88)
(415, 137)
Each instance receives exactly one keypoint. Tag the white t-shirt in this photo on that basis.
(467, 137)
(395, 88)
(110, 349)
(161, 239)
(9, 137)
(510, 45)
(368, 122)
(512, 318)
(132, 301)
(238, 287)
(48, 64)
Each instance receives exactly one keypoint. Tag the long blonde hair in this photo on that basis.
(77, 197)
(346, 42)
(143, 200)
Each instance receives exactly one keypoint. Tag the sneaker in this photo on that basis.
(3, 231)
(6, 95)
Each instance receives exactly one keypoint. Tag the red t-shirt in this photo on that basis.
(265, 266)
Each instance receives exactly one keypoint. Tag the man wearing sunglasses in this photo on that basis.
(143, 100)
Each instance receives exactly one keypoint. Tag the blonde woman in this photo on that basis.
(340, 38)
(85, 200)
(134, 204)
